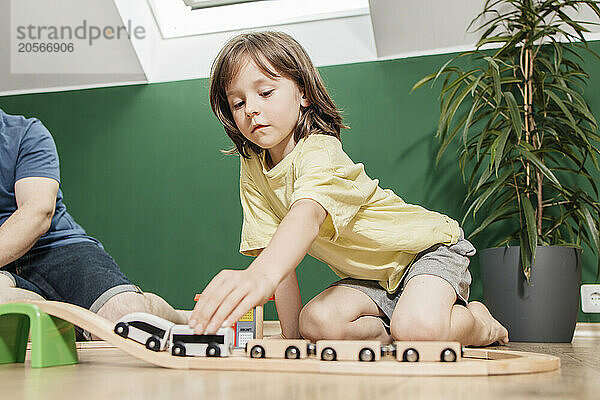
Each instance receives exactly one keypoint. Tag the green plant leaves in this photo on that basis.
(480, 200)
(498, 154)
(530, 225)
(496, 77)
(515, 116)
(504, 150)
(539, 164)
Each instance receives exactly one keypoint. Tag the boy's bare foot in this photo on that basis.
(491, 330)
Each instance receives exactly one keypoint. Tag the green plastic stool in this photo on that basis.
(52, 339)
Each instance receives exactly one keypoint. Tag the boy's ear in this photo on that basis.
(304, 101)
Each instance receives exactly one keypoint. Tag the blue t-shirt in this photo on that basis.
(28, 150)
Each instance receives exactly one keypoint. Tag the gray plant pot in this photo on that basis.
(546, 310)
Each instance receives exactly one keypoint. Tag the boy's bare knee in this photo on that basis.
(318, 322)
(311, 323)
(418, 328)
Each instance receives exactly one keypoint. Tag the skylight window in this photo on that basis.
(196, 4)
(198, 17)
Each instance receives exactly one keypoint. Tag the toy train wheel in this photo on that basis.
(410, 355)
(178, 349)
(153, 343)
(366, 354)
(257, 352)
(213, 350)
(448, 355)
(328, 354)
(292, 352)
(122, 329)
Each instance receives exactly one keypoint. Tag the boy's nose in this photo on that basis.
(251, 109)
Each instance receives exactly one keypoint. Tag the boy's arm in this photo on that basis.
(232, 293)
(289, 304)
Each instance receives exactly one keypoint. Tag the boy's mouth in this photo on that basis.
(258, 127)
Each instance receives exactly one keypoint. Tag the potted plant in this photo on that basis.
(527, 138)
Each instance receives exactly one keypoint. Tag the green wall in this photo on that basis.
(142, 171)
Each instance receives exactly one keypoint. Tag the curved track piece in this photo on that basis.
(475, 362)
(103, 328)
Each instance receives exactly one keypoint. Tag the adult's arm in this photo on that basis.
(36, 200)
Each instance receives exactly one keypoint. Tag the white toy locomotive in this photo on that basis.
(159, 334)
(145, 328)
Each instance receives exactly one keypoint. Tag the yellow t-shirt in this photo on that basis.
(369, 233)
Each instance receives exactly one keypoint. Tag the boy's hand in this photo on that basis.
(228, 297)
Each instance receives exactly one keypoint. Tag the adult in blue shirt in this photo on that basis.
(44, 253)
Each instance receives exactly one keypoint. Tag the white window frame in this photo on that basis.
(175, 19)
(214, 3)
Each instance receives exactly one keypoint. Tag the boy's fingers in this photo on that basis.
(246, 304)
(207, 305)
(223, 313)
(205, 297)
(242, 308)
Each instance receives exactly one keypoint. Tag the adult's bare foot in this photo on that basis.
(493, 331)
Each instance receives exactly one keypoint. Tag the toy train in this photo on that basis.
(158, 334)
(354, 350)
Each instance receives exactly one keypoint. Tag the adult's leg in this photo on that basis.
(426, 310)
(86, 275)
(10, 293)
(128, 302)
(342, 313)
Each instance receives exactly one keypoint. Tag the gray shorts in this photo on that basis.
(450, 263)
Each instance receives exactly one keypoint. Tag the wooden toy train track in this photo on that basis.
(475, 362)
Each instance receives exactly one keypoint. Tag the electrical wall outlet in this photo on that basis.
(590, 298)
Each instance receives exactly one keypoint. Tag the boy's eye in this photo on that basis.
(266, 93)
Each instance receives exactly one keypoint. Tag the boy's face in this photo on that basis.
(265, 109)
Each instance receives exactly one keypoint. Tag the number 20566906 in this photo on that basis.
(34, 47)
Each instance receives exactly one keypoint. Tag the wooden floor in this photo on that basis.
(107, 373)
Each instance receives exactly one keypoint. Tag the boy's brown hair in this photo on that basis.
(289, 59)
